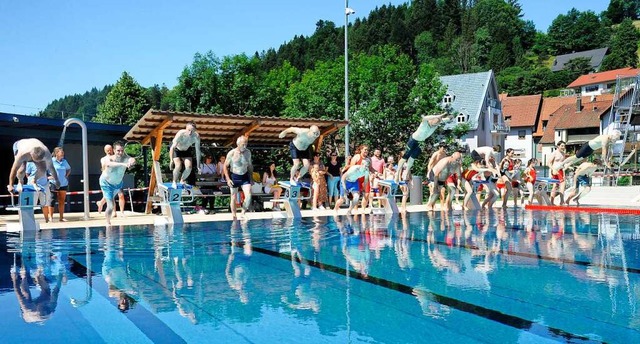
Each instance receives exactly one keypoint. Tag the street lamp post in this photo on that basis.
(347, 11)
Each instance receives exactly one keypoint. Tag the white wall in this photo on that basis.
(524, 147)
(547, 149)
(601, 89)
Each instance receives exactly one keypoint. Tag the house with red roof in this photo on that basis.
(603, 82)
(522, 114)
(574, 124)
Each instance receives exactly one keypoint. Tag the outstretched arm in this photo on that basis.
(343, 180)
(435, 119)
(606, 141)
(197, 144)
(19, 160)
(293, 130)
(171, 149)
(580, 170)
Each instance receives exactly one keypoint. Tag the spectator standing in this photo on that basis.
(62, 169)
(333, 171)
(319, 187)
(208, 171)
(377, 161)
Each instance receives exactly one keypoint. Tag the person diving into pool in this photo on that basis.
(182, 150)
(33, 150)
(300, 148)
(604, 141)
(427, 127)
(582, 181)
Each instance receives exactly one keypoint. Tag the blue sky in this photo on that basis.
(49, 49)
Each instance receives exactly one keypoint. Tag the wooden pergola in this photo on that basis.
(158, 126)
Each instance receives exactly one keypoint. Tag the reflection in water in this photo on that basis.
(115, 269)
(37, 281)
(342, 277)
(238, 270)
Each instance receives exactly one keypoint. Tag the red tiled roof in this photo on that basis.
(598, 78)
(566, 117)
(522, 110)
(549, 134)
(551, 105)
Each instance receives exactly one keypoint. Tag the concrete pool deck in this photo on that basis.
(600, 197)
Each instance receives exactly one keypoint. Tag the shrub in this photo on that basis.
(624, 181)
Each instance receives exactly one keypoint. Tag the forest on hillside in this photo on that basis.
(395, 57)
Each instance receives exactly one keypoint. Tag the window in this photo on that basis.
(590, 88)
(544, 125)
(462, 118)
(448, 99)
(522, 134)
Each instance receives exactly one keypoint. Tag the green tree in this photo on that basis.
(623, 48)
(199, 85)
(125, 104)
(422, 16)
(84, 106)
(274, 87)
(536, 81)
(618, 10)
(382, 82)
(499, 57)
(239, 78)
(511, 79)
(156, 95)
(426, 47)
(576, 31)
(324, 44)
(320, 92)
(578, 66)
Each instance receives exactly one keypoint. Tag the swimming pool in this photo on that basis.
(514, 276)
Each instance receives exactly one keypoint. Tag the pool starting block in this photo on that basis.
(27, 203)
(172, 198)
(541, 189)
(389, 199)
(293, 196)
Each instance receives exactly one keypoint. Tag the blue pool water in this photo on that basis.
(506, 277)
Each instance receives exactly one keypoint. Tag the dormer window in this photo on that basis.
(448, 99)
(461, 118)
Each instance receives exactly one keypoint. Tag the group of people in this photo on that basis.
(359, 178)
(560, 163)
(44, 171)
